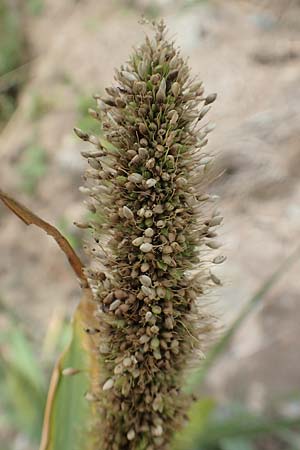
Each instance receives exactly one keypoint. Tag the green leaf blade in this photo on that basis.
(68, 414)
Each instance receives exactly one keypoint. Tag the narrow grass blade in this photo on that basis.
(199, 415)
(207, 429)
(246, 426)
(238, 443)
(199, 375)
(23, 389)
(68, 414)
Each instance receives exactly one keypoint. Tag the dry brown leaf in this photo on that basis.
(29, 218)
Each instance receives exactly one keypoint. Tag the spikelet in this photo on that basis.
(158, 232)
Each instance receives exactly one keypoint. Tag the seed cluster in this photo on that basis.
(153, 228)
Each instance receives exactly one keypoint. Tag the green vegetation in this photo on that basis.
(85, 121)
(69, 232)
(32, 167)
(12, 51)
(35, 7)
(24, 372)
(11, 38)
(39, 106)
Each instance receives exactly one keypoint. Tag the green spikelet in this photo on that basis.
(151, 249)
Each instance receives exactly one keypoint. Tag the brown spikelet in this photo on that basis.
(152, 246)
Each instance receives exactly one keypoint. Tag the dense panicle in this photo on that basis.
(153, 231)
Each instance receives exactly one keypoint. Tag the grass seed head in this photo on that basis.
(155, 226)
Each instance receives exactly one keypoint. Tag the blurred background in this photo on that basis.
(53, 56)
